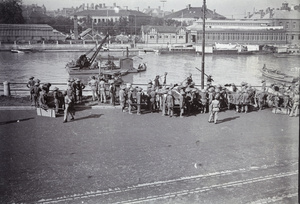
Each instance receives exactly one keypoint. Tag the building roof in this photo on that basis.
(109, 12)
(162, 29)
(284, 14)
(26, 26)
(194, 12)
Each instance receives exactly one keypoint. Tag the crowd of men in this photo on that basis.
(182, 99)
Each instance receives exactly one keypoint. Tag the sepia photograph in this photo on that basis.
(149, 101)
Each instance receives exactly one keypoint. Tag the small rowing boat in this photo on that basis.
(277, 75)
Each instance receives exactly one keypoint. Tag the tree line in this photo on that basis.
(11, 12)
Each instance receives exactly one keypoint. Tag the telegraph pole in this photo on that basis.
(203, 44)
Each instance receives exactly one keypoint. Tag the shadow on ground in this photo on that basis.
(14, 121)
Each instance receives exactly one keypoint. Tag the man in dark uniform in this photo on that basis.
(36, 93)
(139, 100)
(79, 87)
(56, 99)
(30, 85)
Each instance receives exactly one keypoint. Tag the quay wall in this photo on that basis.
(75, 46)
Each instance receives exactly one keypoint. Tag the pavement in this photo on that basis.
(106, 156)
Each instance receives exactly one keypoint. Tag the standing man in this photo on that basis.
(170, 103)
(93, 83)
(139, 100)
(153, 100)
(56, 99)
(69, 107)
(112, 92)
(79, 87)
(122, 97)
(30, 85)
(215, 108)
(36, 93)
(101, 88)
(130, 100)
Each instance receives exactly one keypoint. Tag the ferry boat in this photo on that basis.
(277, 75)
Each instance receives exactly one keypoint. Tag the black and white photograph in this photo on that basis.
(149, 101)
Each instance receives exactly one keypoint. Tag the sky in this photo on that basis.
(228, 8)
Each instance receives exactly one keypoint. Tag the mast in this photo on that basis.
(203, 44)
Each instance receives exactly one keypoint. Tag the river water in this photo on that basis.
(50, 67)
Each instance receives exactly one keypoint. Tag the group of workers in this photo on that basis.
(184, 97)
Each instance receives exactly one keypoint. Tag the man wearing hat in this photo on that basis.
(203, 99)
(101, 88)
(79, 87)
(130, 99)
(30, 85)
(122, 97)
(170, 103)
(36, 93)
(112, 92)
(214, 110)
(93, 83)
(138, 100)
(56, 99)
(69, 107)
(152, 100)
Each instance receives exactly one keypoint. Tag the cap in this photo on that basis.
(31, 77)
(55, 88)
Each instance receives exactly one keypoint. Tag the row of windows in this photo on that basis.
(105, 20)
(244, 36)
(287, 25)
(166, 36)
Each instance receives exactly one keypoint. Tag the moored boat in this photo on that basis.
(17, 51)
(89, 66)
(277, 75)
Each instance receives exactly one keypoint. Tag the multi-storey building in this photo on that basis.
(163, 34)
(287, 17)
(191, 14)
(236, 31)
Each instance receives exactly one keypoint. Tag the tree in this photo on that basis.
(11, 12)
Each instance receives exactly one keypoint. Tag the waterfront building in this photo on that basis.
(286, 16)
(236, 31)
(29, 32)
(191, 14)
(108, 14)
(163, 34)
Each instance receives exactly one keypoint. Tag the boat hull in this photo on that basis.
(279, 77)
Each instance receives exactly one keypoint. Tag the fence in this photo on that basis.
(7, 88)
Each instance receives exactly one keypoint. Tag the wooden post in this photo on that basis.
(6, 89)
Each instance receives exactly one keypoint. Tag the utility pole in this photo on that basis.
(203, 44)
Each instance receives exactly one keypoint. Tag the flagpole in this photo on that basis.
(203, 44)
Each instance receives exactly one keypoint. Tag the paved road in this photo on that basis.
(106, 156)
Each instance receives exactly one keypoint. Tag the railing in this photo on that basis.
(16, 88)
